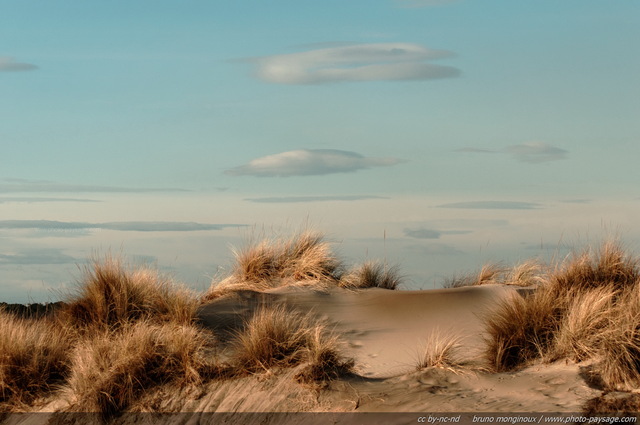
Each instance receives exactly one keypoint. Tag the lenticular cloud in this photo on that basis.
(361, 62)
(309, 162)
(10, 65)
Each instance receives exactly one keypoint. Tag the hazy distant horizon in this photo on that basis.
(438, 136)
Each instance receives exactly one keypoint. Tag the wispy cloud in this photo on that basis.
(576, 201)
(41, 186)
(136, 226)
(453, 223)
(434, 249)
(359, 62)
(423, 233)
(38, 256)
(290, 199)
(493, 205)
(309, 162)
(414, 4)
(475, 150)
(10, 65)
(536, 152)
(30, 200)
(532, 152)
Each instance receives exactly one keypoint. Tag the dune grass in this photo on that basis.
(441, 351)
(489, 273)
(613, 404)
(372, 274)
(593, 268)
(588, 307)
(110, 371)
(34, 359)
(111, 295)
(527, 273)
(126, 330)
(304, 258)
(277, 337)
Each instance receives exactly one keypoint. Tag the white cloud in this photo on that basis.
(422, 233)
(536, 152)
(321, 198)
(434, 249)
(474, 150)
(38, 256)
(30, 200)
(493, 205)
(124, 226)
(10, 65)
(42, 186)
(360, 62)
(309, 162)
(532, 152)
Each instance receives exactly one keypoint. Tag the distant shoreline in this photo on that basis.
(33, 310)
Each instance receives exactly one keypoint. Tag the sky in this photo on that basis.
(438, 135)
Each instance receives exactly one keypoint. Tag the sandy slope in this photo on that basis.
(385, 331)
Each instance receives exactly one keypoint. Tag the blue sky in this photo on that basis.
(436, 134)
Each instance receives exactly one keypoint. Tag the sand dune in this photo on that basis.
(385, 331)
(268, 348)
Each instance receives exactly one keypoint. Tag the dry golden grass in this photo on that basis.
(489, 273)
(582, 329)
(304, 258)
(613, 403)
(34, 358)
(441, 352)
(607, 265)
(277, 337)
(372, 274)
(523, 329)
(528, 273)
(324, 362)
(587, 308)
(619, 368)
(111, 370)
(110, 295)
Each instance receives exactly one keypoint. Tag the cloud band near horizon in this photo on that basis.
(125, 226)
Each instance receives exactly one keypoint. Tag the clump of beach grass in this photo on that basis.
(371, 274)
(276, 337)
(587, 307)
(582, 330)
(34, 359)
(303, 259)
(441, 351)
(522, 329)
(527, 273)
(610, 264)
(489, 273)
(613, 403)
(111, 295)
(111, 370)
